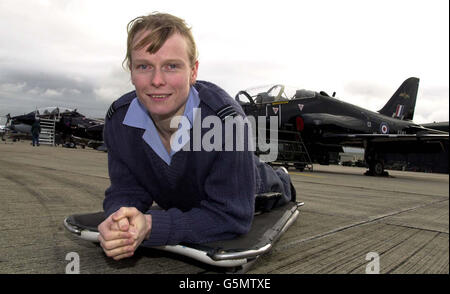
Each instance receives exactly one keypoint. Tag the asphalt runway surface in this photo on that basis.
(347, 219)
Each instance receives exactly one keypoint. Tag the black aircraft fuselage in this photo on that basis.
(327, 124)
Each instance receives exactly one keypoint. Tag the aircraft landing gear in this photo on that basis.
(376, 165)
(299, 166)
(376, 168)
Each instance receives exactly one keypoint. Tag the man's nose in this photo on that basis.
(157, 78)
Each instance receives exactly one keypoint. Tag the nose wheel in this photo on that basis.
(376, 168)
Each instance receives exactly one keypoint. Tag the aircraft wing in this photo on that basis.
(420, 142)
(387, 137)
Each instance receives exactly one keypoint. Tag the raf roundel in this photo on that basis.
(384, 128)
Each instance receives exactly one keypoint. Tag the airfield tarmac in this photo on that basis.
(403, 218)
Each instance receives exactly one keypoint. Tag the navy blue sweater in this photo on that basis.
(204, 196)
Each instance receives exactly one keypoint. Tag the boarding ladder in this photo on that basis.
(47, 136)
(292, 150)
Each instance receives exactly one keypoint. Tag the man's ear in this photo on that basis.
(130, 68)
(194, 72)
(131, 78)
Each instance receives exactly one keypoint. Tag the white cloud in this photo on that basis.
(107, 93)
(12, 87)
(52, 93)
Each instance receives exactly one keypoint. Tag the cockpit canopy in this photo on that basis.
(273, 93)
(53, 110)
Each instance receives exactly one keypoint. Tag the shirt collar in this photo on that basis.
(137, 116)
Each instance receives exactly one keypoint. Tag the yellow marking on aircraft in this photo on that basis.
(280, 102)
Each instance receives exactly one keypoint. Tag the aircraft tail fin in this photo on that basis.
(402, 103)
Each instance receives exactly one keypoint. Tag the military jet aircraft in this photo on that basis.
(324, 124)
(71, 127)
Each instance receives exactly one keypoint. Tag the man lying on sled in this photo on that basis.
(206, 193)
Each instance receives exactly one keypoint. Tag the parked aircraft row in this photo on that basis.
(71, 127)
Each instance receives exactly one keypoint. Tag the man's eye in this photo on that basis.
(142, 66)
(172, 66)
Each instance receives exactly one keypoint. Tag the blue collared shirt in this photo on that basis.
(138, 116)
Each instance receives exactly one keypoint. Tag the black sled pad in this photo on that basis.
(239, 253)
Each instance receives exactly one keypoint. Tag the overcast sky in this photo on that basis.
(69, 52)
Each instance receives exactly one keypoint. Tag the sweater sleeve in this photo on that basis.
(124, 191)
(226, 212)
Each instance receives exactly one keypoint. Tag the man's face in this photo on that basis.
(163, 79)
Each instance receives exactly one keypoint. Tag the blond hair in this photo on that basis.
(161, 26)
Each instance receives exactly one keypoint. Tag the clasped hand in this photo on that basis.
(123, 231)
